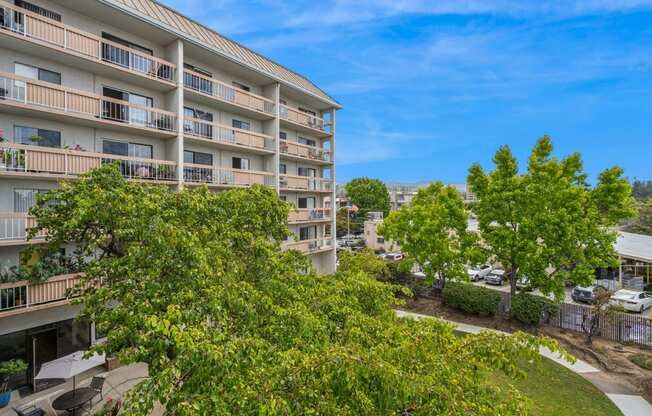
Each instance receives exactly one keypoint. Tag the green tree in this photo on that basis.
(345, 225)
(641, 190)
(195, 285)
(432, 230)
(642, 224)
(365, 261)
(369, 195)
(548, 224)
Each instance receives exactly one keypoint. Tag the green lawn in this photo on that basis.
(557, 391)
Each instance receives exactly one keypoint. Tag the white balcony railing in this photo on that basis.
(224, 92)
(309, 214)
(24, 295)
(304, 151)
(52, 97)
(59, 36)
(304, 119)
(310, 246)
(215, 175)
(305, 183)
(14, 226)
(18, 158)
(227, 135)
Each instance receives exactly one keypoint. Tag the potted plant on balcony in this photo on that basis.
(7, 370)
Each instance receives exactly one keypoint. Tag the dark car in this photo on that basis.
(496, 277)
(586, 294)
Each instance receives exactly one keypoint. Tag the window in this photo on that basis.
(380, 240)
(199, 114)
(282, 101)
(198, 70)
(304, 110)
(197, 82)
(309, 142)
(241, 86)
(307, 202)
(307, 233)
(143, 151)
(29, 71)
(282, 135)
(195, 127)
(240, 163)
(24, 199)
(243, 125)
(37, 137)
(282, 168)
(38, 10)
(284, 198)
(197, 158)
(122, 112)
(310, 172)
(127, 43)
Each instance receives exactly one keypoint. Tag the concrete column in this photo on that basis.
(273, 127)
(333, 253)
(175, 104)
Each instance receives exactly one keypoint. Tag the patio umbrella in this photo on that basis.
(69, 366)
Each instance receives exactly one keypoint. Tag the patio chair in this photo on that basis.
(29, 411)
(97, 384)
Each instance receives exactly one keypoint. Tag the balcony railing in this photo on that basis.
(305, 183)
(304, 151)
(304, 119)
(19, 158)
(307, 215)
(226, 134)
(215, 175)
(14, 226)
(24, 295)
(60, 36)
(52, 97)
(310, 246)
(224, 92)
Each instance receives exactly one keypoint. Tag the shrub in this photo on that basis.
(400, 269)
(642, 360)
(471, 299)
(532, 310)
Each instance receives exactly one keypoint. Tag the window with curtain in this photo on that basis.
(240, 163)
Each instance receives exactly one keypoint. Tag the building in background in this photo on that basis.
(83, 83)
(372, 239)
(402, 193)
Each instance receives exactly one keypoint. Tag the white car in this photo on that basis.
(632, 300)
(393, 256)
(478, 272)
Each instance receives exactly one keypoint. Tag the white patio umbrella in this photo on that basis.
(69, 366)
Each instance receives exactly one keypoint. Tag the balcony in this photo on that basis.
(301, 151)
(311, 246)
(304, 122)
(23, 30)
(305, 183)
(14, 226)
(225, 177)
(46, 162)
(38, 98)
(227, 137)
(227, 97)
(298, 216)
(25, 296)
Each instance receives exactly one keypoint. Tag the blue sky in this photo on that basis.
(429, 87)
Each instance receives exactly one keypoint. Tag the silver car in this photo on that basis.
(478, 272)
(496, 277)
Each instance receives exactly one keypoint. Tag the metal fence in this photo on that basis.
(620, 326)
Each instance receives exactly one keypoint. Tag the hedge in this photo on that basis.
(532, 310)
(471, 299)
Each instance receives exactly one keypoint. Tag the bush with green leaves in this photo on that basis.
(532, 310)
(471, 299)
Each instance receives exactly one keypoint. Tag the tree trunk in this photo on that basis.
(512, 282)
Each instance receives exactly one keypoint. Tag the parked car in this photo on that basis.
(632, 300)
(478, 272)
(523, 283)
(496, 277)
(586, 294)
(393, 256)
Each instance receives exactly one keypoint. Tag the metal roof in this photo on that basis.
(634, 246)
(175, 21)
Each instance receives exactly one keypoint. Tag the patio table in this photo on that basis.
(74, 399)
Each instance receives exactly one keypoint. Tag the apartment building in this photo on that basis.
(83, 83)
(402, 193)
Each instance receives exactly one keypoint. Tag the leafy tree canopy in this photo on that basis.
(347, 222)
(195, 285)
(548, 224)
(369, 195)
(365, 261)
(642, 190)
(642, 224)
(432, 230)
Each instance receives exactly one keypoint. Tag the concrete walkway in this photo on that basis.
(628, 401)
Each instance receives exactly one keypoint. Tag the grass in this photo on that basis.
(557, 391)
(642, 360)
